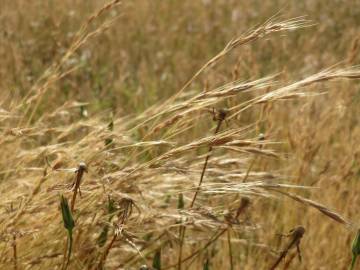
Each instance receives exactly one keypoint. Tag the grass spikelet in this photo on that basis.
(323, 209)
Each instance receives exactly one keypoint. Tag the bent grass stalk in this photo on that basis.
(270, 26)
(15, 251)
(220, 118)
(243, 205)
(231, 262)
(261, 138)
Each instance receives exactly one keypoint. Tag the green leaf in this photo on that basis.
(353, 260)
(108, 141)
(355, 249)
(68, 220)
(148, 236)
(206, 265)
(111, 125)
(111, 205)
(103, 236)
(104, 233)
(181, 203)
(167, 199)
(157, 260)
(69, 225)
(356, 244)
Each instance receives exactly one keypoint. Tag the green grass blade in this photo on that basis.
(157, 260)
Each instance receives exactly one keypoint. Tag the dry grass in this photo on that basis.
(133, 93)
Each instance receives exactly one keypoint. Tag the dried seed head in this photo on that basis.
(82, 167)
(126, 208)
(181, 202)
(298, 231)
(244, 203)
(219, 114)
(222, 114)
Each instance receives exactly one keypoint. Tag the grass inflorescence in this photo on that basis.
(225, 128)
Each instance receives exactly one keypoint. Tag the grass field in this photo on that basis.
(180, 135)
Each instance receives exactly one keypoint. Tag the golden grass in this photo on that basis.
(136, 94)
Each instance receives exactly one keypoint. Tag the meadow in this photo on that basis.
(209, 134)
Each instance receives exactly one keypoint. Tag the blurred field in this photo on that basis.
(103, 83)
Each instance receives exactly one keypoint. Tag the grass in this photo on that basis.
(138, 91)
